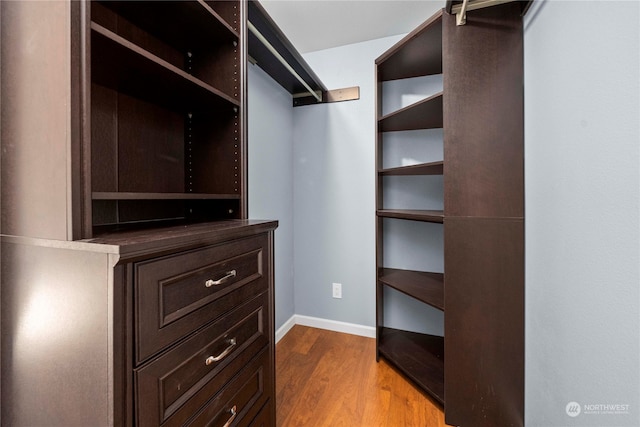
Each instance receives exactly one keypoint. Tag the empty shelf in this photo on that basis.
(424, 114)
(433, 168)
(419, 356)
(423, 286)
(414, 215)
(115, 195)
(127, 68)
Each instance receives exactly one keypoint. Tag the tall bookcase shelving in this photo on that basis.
(475, 368)
(419, 356)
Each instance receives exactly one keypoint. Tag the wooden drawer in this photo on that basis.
(171, 388)
(240, 400)
(175, 295)
(264, 417)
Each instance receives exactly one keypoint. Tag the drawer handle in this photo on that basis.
(234, 412)
(230, 274)
(211, 359)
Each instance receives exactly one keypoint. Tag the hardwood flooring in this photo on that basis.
(326, 378)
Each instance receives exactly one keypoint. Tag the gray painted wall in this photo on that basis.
(271, 176)
(582, 187)
(334, 189)
(334, 195)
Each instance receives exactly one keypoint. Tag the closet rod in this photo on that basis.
(284, 62)
(460, 10)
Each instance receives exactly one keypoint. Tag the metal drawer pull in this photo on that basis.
(234, 412)
(209, 283)
(211, 359)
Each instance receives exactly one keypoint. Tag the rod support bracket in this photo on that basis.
(461, 15)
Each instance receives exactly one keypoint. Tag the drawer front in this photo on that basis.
(176, 295)
(240, 400)
(176, 385)
(265, 417)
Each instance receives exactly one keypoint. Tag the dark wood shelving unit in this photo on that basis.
(479, 362)
(419, 356)
(423, 286)
(432, 168)
(167, 114)
(412, 214)
(424, 114)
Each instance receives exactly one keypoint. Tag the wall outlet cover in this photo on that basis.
(337, 290)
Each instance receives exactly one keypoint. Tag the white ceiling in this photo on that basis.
(313, 25)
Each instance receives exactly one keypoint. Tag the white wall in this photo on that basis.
(271, 176)
(582, 189)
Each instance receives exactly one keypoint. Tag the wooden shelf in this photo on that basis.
(419, 356)
(423, 286)
(127, 68)
(181, 24)
(417, 54)
(424, 114)
(433, 168)
(161, 196)
(413, 215)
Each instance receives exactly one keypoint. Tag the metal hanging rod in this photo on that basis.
(284, 62)
(460, 10)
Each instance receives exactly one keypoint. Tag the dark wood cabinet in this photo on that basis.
(82, 319)
(476, 370)
(135, 291)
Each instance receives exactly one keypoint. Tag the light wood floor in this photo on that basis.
(326, 378)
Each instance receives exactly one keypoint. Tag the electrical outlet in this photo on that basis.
(337, 290)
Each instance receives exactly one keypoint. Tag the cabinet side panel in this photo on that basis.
(35, 128)
(484, 113)
(484, 323)
(55, 337)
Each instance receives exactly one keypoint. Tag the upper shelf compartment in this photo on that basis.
(128, 68)
(417, 54)
(188, 35)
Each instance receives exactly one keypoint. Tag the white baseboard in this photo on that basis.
(331, 325)
(282, 330)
